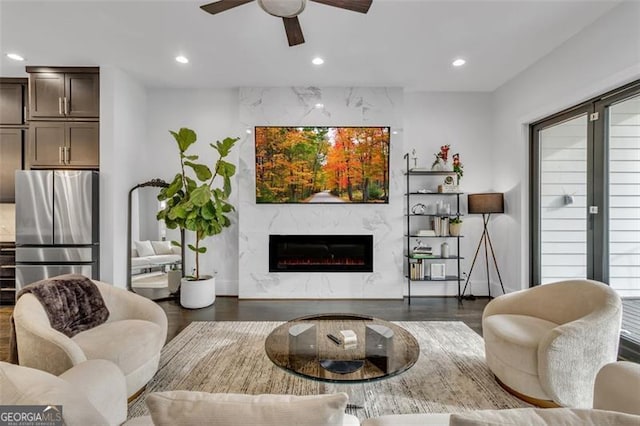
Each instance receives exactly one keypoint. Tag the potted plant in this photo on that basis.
(455, 225)
(196, 202)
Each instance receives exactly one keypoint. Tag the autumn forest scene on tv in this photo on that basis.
(322, 164)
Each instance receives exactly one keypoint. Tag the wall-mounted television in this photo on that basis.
(322, 164)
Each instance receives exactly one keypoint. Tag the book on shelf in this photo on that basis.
(423, 256)
(417, 270)
(441, 226)
(423, 249)
(426, 233)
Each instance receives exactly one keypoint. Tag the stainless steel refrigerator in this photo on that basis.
(57, 230)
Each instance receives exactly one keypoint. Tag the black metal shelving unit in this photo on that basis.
(409, 216)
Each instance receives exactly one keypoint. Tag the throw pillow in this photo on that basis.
(543, 417)
(190, 408)
(144, 248)
(162, 247)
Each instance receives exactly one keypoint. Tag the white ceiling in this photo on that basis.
(399, 43)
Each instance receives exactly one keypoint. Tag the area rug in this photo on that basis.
(450, 376)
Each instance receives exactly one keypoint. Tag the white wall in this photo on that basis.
(122, 129)
(213, 115)
(599, 58)
(462, 120)
(342, 107)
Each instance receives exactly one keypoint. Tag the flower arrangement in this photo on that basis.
(440, 163)
(457, 166)
(442, 156)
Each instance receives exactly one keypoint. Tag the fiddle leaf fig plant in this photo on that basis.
(194, 199)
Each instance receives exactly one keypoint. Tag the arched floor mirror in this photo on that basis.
(154, 266)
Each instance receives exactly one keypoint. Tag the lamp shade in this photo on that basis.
(490, 202)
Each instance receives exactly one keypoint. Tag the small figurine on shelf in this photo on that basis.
(414, 157)
(420, 248)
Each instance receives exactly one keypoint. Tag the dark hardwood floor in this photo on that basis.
(232, 309)
(421, 309)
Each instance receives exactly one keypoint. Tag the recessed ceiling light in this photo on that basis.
(248, 131)
(395, 132)
(15, 57)
(317, 61)
(319, 105)
(182, 59)
(458, 62)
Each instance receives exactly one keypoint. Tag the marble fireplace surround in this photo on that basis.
(297, 106)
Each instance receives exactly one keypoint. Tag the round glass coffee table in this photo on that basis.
(303, 347)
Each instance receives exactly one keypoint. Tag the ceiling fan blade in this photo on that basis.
(293, 30)
(222, 5)
(361, 6)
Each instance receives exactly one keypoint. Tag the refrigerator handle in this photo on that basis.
(59, 105)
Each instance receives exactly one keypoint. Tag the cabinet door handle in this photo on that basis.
(59, 105)
(8, 267)
(67, 154)
(60, 160)
(8, 249)
(66, 106)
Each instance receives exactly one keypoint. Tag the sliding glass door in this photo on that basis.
(564, 242)
(585, 199)
(622, 135)
(563, 200)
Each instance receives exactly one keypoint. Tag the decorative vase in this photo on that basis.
(442, 166)
(198, 294)
(454, 229)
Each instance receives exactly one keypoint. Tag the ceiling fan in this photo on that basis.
(288, 10)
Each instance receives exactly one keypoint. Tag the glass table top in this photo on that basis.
(302, 347)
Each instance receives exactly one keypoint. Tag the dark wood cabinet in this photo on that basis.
(11, 146)
(13, 129)
(64, 144)
(7, 273)
(65, 93)
(12, 103)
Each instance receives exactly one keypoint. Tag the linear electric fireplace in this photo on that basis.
(320, 253)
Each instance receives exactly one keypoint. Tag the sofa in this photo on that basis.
(616, 402)
(151, 254)
(132, 337)
(93, 393)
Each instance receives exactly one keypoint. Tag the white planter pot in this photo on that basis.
(198, 294)
(454, 229)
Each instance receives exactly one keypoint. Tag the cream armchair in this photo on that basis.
(132, 337)
(546, 344)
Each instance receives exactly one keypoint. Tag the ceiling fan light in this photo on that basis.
(283, 8)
